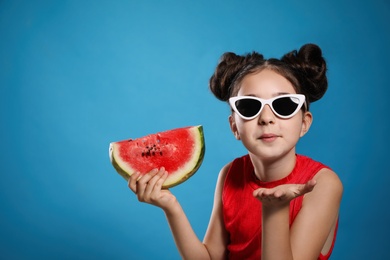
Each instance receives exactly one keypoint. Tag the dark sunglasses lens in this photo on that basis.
(248, 107)
(285, 106)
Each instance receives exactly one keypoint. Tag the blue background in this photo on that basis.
(76, 75)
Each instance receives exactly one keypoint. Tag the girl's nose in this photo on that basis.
(266, 116)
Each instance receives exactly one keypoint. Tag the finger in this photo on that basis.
(146, 177)
(312, 183)
(160, 181)
(132, 183)
(279, 194)
(308, 187)
(256, 193)
(142, 183)
(267, 193)
(152, 183)
(259, 193)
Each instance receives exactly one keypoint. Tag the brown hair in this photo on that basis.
(305, 69)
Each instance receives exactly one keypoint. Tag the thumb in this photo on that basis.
(308, 186)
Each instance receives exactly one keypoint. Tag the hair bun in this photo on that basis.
(310, 65)
(228, 67)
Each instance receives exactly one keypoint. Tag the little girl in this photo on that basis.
(271, 203)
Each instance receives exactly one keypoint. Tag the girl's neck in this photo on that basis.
(273, 170)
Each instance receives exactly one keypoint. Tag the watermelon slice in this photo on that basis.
(180, 151)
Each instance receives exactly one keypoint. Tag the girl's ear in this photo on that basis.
(233, 127)
(306, 122)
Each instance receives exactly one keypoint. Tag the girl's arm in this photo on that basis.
(148, 189)
(216, 238)
(188, 244)
(314, 224)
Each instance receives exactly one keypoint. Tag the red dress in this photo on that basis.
(242, 212)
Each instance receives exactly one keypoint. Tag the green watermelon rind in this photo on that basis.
(173, 179)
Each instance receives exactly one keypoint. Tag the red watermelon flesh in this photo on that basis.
(180, 151)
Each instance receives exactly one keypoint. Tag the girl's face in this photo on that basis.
(267, 136)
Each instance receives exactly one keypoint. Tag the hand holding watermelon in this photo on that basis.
(180, 151)
(148, 188)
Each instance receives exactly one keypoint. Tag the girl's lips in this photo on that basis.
(268, 137)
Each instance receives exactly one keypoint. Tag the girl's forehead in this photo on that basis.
(265, 83)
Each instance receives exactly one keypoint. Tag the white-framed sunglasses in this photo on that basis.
(284, 106)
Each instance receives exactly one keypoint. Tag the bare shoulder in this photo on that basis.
(221, 180)
(328, 181)
(224, 170)
(327, 192)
